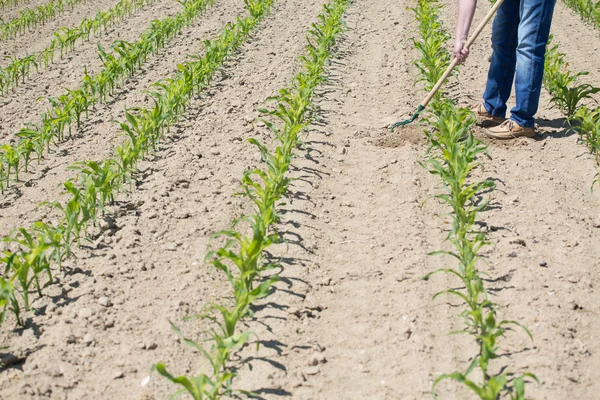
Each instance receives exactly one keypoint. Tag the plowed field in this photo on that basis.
(351, 316)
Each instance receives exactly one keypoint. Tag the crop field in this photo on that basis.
(203, 199)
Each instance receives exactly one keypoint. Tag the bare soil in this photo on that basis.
(352, 317)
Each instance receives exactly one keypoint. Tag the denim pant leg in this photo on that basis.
(534, 30)
(504, 60)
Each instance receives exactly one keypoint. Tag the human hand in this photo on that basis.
(461, 52)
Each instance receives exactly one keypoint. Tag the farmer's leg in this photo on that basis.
(502, 67)
(534, 29)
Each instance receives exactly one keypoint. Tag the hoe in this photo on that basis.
(450, 68)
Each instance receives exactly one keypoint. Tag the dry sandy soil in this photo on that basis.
(352, 318)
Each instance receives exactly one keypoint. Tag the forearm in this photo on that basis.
(466, 10)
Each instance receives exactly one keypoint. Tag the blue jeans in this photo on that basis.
(519, 36)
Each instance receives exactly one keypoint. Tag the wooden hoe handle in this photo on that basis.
(454, 62)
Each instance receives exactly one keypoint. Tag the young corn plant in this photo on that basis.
(101, 180)
(8, 302)
(11, 158)
(38, 248)
(453, 155)
(4, 175)
(241, 259)
(567, 93)
(586, 123)
(436, 58)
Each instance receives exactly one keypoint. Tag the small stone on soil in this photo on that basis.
(314, 370)
(171, 246)
(45, 390)
(85, 313)
(326, 281)
(108, 223)
(597, 222)
(104, 301)
(182, 215)
(151, 346)
(88, 339)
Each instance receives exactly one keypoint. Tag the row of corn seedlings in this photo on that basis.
(70, 108)
(589, 10)
(567, 93)
(453, 156)
(586, 123)
(34, 17)
(37, 250)
(64, 40)
(11, 3)
(243, 258)
(563, 85)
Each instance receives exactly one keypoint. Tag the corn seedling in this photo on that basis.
(453, 155)
(241, 259)
(4, 176)
(586, 123)
(436, 58)
(567, 93)
(12, 159)
(7, 300)
(38, 247)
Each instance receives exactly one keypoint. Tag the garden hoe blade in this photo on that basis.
(410, 120)
(450, 68)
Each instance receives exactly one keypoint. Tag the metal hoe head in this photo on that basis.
(411, 119)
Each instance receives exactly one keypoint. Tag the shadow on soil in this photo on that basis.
(554, 129)
(289, 227)
(11, 361)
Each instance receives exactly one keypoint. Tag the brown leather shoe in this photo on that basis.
(485, 118)
(509, 129)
